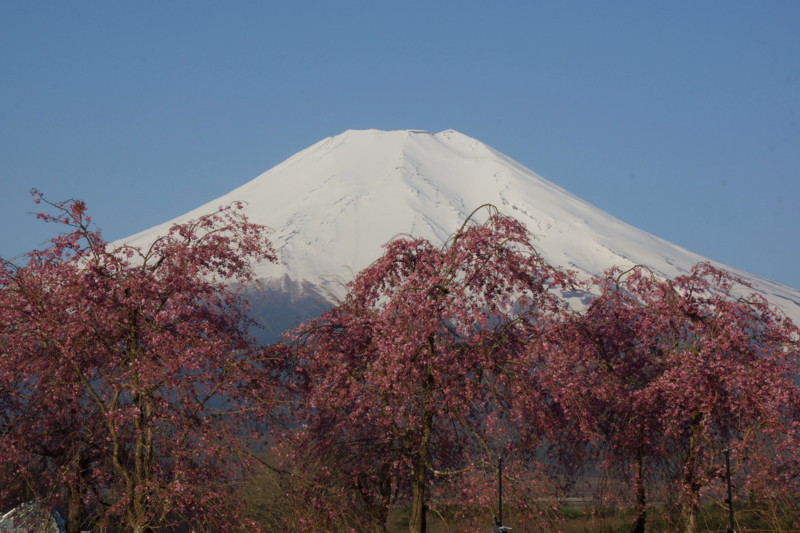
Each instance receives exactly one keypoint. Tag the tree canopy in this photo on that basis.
(132, 396)
(129, 386)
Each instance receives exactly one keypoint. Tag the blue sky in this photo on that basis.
(678, 117)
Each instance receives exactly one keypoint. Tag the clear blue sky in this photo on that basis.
(678, 117)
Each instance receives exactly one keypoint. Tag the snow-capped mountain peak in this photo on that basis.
(334, 204)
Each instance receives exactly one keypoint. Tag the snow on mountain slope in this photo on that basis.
(332, 206)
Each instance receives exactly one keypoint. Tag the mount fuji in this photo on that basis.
(332, 206)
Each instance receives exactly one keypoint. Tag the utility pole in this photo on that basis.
(498, 518)
(500, 489)
(729, 501)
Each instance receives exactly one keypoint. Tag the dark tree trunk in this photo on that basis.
(78, 464)
(641, 495)
(74, 509)
(417, 521)
(689, 504)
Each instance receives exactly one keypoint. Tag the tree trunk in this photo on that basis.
(78, 465)
(689, 518)
(689, 507)
(74, 505)
(140, 506)
(641, 495)
(689, 504)
(377, 505)
(417, 522)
